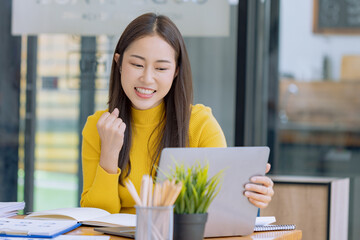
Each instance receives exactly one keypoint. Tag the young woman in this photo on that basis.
(150, 107)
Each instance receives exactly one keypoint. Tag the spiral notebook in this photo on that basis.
(264, 228)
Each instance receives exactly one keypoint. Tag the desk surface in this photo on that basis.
(283, 235)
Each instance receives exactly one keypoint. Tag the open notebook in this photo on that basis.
(87, 216)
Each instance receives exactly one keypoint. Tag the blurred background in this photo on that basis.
(280, 73)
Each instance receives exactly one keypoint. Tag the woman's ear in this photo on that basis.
(176, 72)
(116, 58)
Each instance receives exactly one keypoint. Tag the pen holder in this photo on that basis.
(154, 223)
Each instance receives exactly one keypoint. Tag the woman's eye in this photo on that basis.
(161, 69)
(137, 65)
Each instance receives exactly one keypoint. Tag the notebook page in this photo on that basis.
(78, 214)
(113, 220)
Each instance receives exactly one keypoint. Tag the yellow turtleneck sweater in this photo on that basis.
(101, 189)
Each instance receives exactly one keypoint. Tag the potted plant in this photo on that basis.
(197, 193)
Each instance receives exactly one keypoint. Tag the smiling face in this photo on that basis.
(147, 71)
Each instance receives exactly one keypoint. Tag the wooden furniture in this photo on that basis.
(319, 206)
(283, 235)
(350, 68)
(320, 113)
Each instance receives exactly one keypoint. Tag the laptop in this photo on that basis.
(230, 214)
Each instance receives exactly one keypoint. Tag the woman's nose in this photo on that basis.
(148, 75)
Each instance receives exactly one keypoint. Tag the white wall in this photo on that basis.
(302, 51)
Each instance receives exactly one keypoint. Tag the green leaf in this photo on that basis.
(198, 192)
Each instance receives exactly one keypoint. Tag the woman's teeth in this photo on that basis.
(144, 91)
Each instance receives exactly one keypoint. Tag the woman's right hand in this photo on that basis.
(111, 130)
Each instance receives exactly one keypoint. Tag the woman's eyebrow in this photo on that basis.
(142, 58)
(165, 61)
(137, 56)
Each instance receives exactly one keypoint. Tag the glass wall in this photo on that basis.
(60, 68)
(319, 100)
(56, 140)
(213, 64)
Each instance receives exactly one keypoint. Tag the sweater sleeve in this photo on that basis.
(212, 135)
(100, 189)
(205, 130)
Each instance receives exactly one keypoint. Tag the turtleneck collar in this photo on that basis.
(149, 116)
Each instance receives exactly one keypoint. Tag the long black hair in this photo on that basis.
(174, 126)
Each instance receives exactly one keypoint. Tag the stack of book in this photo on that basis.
(9, 209)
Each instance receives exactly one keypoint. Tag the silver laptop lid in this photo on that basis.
(230, 214)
